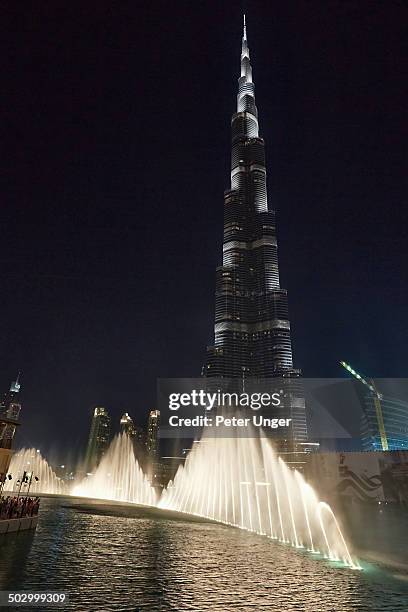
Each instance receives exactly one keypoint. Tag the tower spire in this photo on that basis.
(15, 385)
(244, 50)
(246, 88)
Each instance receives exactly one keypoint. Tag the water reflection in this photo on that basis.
(154, 565)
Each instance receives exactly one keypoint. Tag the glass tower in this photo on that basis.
(99, 438)
(252, 330)
(127, 426)
(394, 423)
(152, 440)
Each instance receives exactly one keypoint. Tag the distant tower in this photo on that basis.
(9, 413)
(9, 409)
(99, 438)
(152, 441)
(140, 435)
(127, 426)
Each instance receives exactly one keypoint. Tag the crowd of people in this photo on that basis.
(18, 507)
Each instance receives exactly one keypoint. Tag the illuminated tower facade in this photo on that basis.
(252, 330)
(9, 414)
(127, 426)
(384, 419)
(99, 438)
(152, 439)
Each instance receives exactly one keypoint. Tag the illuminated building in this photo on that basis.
(395, 418)
(9, 414)
(384, 422)
(99, 438)
(127, 426)
(152, 440)
(252, 335)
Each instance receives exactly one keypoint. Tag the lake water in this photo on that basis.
(150, 563)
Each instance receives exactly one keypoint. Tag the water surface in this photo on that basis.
(151, 564)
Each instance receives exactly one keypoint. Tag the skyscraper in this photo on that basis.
(9, 413)
(99, 438)
(252, 328)
(127, 426)
(9, 410)
(152, 441)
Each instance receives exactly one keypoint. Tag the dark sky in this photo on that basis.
(116, 119)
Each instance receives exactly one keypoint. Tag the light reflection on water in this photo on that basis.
(149, 564)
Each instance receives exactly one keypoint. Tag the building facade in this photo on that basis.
(99, 438)
(394, 414)
(9, 414)
(152, 439)
(127, 426)
(252, 335)
(384, 419)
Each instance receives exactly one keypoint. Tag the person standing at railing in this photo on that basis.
(13, 507)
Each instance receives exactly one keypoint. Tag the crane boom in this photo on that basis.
(377, 397)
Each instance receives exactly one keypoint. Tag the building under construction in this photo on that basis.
(384, 422)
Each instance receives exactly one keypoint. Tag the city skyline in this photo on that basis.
(91, 256)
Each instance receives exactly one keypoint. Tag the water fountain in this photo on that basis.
(241, 482)
(118, 477)
(235, 480)
(31, 461)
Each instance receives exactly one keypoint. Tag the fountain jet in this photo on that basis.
(261, 494)
(31, 461)
(118, 477)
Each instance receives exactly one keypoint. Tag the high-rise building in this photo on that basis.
(9, 413)
(252, 328)
(126, 425)
(152, 440)
(394, 423)
(99, 438)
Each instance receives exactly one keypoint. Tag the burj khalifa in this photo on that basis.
(252, 336)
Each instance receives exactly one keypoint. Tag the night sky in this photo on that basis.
(116, 122)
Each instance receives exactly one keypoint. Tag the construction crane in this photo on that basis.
(377, 397)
